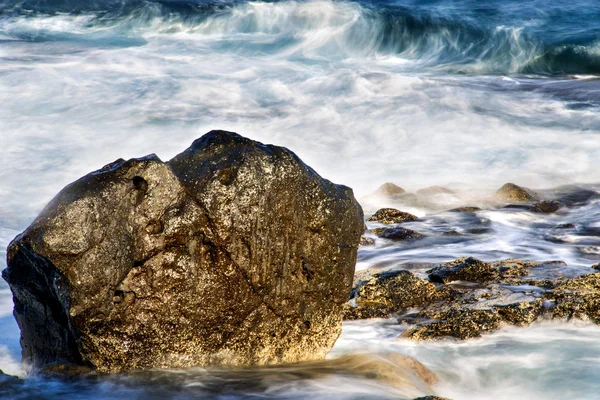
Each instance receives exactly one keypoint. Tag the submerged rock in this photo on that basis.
(541, 207)
(388, 189)
(233, 252)
(573, 196)
(391, 216)
(434, 190)
(512, 192)
(465, 209)
(397, 233)
(10, 386)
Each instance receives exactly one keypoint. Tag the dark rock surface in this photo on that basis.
(512, 192)
(432, 398)
(397, 233)
(541, 207)
(10, 386)
(233, 252)
(464, 269)
(391, 216)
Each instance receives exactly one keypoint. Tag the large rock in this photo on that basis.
(233, 252)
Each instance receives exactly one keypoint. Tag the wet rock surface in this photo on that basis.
(382, 293)
(397, 233)
(542, 207)
(233, 253)
(391, 216)
(467, 297)
(512, 192)
(366, 241)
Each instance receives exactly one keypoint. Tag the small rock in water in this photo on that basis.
(596, 266)
(397, 233)
(464, 269)
(389, 189)
(234, 252)
(512, 192)
(382, 293)
(547, 206)
(541, 207)
(391, 216)
(366, 241)
(465, 209)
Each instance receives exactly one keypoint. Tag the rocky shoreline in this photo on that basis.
(466, 298)
(210, 219)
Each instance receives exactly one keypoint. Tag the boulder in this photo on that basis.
(232, 253)
(596, 266)
(512, 192)
(388, 189)
(391, 216)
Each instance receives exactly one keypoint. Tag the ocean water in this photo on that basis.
(465, 93)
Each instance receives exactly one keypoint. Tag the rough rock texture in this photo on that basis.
(512, 192)
(397, 233)
(473, 270)
(488, 296)
(464, 269)
(474, 311)
(233, 252)
(578, 298)
(388, 189)
(391, 216)
(366, 241)
(382, 293)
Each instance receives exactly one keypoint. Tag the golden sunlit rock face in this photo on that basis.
(232, 253)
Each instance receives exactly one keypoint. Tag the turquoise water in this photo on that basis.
(478, 92)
